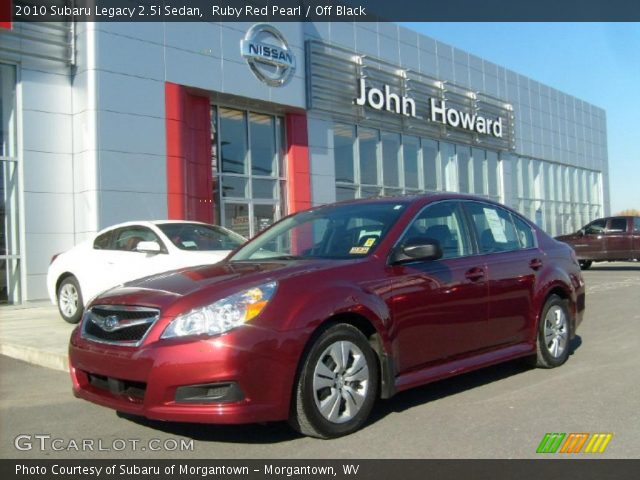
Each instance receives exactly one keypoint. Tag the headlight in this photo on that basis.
(223, 315)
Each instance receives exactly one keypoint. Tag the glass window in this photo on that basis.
(344, 192)
(234, 187)
(263, 144)
(443, 223)
(493, 227)
(595, 228)
(127, 238)
(493, 174)
(195, 236)
(233, 140)
(410, 146)
(617, 225)
(448, 168)
(479, 173)
(464, 169)
(390, 159)
(368, 146)
(343, 144)
(524, 232)
(263, 217)
(636, 224)
(430, 162)
(7, 111)
(10, 259)
(236, 218)
(102, 242)
(264, 188)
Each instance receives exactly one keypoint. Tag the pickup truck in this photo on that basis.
(610, 239)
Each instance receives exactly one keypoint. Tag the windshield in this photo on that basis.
(339, 232)
(195, 236)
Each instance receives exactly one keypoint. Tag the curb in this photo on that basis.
(35, 356)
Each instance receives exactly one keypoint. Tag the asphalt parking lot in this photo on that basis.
(499, 412)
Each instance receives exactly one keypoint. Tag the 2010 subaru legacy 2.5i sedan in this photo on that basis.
(329, 310)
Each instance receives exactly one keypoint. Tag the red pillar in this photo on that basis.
(298, 172)
(188, 135)
(6, 12)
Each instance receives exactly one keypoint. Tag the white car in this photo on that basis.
(128, 251)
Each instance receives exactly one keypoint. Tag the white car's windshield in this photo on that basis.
(195, 236)
(338, 232)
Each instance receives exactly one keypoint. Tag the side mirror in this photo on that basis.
(423, 251)
(581, 232)
(148, 247)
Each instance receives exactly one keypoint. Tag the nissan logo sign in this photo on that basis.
(268, 54)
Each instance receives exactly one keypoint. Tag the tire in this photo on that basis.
(336, 403)
(585, 264)
(69, 299)
(554, 334)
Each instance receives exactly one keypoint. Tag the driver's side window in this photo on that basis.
(441, 223)
(595, 228)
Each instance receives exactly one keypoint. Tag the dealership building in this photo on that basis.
(239, 124)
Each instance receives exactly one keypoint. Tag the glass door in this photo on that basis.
(248, 169)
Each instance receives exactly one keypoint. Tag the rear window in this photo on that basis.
(617, 225)
(494, 228)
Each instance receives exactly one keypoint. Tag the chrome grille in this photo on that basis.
(118, 324)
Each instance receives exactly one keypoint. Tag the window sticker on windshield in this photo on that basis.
(369, 242)
(497, 229)
(188, 243)
(359, 250)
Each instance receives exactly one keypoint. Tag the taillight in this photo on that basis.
(53, 258)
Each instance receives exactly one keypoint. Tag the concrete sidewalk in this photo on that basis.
(35, 333)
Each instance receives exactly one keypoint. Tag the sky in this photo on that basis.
(596, 62)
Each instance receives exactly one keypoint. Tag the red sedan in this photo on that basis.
(329, 310)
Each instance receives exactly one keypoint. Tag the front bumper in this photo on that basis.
(146, 380)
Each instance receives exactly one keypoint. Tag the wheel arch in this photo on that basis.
(368, 329)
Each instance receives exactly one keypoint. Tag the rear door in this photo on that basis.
(636, 238)
(439, 307)
(512, 264)
(618, 239)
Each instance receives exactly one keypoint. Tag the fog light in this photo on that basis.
(209, 393)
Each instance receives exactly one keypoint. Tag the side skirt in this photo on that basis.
(449, 369)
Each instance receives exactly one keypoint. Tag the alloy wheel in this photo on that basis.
(556, 331)
(68, 299)
(340, 381)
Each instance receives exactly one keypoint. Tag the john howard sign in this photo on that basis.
(438, 111)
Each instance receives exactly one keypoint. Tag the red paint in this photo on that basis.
(6, 12)
(188, 131)
(434, 319)
(298, 177)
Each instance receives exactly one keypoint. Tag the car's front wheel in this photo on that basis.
(70, 303)
(337, 384)
(554, 334)
(585, 264)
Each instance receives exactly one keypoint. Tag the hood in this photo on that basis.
(567, 238)
(189, 287)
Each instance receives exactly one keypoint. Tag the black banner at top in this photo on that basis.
(322, 10)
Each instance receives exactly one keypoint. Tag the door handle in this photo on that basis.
(474, 274)
(535, 264)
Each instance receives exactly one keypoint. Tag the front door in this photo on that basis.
(439, 307)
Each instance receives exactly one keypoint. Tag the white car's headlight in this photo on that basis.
(223, 315)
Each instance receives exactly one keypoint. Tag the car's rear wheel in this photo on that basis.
(70, 303)
(554, 334)
(585, 264)
(337, 384)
